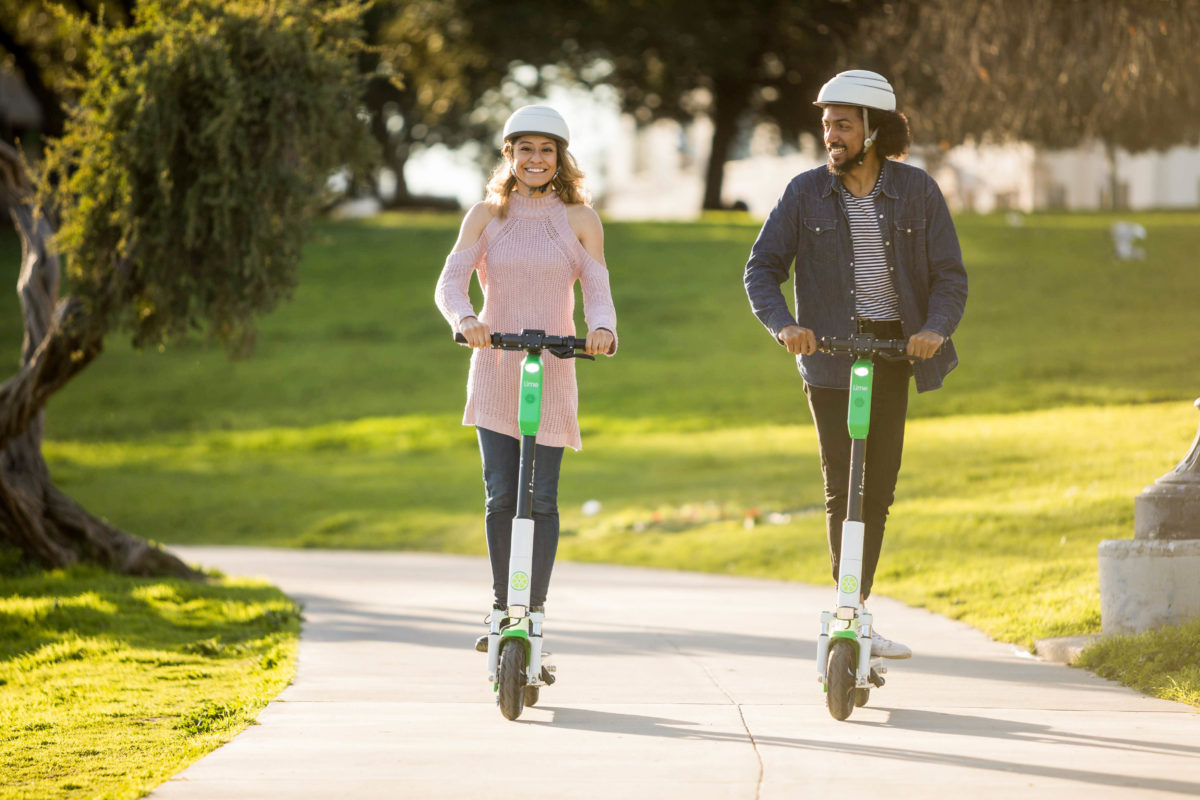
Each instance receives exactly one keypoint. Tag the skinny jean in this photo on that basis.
(501, 456)
(885, 444)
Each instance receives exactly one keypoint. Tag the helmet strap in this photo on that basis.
(870, 140)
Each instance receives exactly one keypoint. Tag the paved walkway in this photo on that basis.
(672, 685)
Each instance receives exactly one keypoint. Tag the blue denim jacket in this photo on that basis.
(809, 225)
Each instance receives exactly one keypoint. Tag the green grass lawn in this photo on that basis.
(343, 430)
(110, 685)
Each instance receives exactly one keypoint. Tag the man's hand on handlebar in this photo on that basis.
(798, 341)
(475, 332)
(924, 344)
(599, 342)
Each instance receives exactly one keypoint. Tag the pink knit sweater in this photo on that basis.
(527, 264)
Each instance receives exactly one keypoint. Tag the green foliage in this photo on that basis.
(110, 684)
(202, 139)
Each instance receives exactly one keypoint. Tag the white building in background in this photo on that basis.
(1022, 178)
(656, 171)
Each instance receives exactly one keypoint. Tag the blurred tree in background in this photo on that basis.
(426, 75)
(734, 62)
(442, 72)
(202, 139)
(1052, 72)
(1057, 74)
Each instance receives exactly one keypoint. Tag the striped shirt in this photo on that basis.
(874, 296)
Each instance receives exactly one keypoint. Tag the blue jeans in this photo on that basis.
(501, 473)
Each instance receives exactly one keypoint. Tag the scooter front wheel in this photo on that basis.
(839, 678)
(512, 678)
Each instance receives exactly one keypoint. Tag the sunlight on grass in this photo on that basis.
(110, 683)
(997, 522)
(1161, 662)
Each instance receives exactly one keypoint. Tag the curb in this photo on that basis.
(1063, 649)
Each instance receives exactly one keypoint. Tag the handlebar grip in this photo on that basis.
(458, 337)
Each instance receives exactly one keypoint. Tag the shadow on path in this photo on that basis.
(639, 725)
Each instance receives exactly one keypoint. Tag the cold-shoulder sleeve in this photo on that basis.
(452, 293)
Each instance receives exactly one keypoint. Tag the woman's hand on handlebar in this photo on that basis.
(475, 332)
(924, 344)
(798, 341)
(599, 342)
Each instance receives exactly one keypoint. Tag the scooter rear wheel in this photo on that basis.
(839, 678)
(531, 695)
(512, 678)
(861, 696)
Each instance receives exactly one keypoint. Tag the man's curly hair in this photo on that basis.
(894, 136)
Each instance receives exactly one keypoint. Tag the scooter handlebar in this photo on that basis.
(532, 340)
(864, 345)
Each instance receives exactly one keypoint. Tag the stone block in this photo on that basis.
(1146, 584)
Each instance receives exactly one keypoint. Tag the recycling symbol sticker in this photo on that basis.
(519, 580)
(849, 584)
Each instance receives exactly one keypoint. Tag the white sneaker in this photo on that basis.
(886, 648)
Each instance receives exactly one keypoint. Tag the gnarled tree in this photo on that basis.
(182, 184)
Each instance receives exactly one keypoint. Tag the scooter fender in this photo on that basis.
(519, 632)
(849, 634)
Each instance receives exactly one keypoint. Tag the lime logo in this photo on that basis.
(529, 398)
(849, 584)
(858, 401)
(520, 580)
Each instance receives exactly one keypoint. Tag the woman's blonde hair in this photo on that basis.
(568, 183)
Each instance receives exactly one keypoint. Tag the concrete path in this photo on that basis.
(671, 685)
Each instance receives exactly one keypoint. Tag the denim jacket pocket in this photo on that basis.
(820, 241)
(911, 247)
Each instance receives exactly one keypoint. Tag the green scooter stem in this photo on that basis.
(529, 415)
(858, 422)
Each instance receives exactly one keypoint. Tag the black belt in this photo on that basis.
(881, 328)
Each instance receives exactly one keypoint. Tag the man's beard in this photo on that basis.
(850, 163)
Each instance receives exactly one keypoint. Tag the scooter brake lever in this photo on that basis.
(565, 352)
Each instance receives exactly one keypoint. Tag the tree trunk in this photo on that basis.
(34, 515)
(729, 100)
(395, 157)
(1114, 181)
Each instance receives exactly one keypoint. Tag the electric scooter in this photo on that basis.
(514, 655)
(845, 666)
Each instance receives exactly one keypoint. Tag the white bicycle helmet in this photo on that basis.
(542, 120)
(858, 87)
